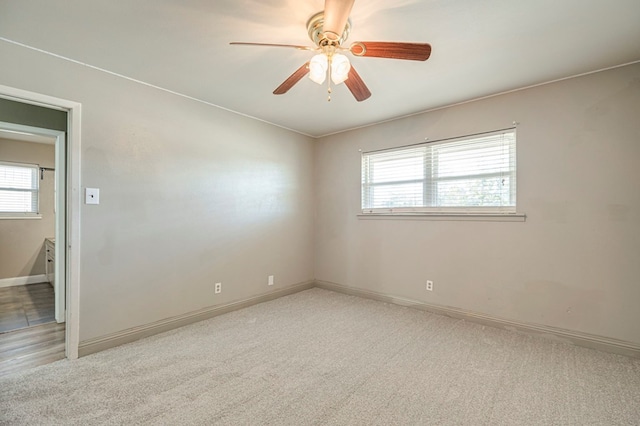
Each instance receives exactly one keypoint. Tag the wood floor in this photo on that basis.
(30, 347)
(26, 305)
(29, 335)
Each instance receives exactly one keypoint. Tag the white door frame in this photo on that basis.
(73, 203)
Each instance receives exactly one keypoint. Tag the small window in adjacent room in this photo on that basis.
(18, 190)
(474, 174)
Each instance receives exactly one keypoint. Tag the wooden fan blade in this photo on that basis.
(295, 46)
(356, 86)
(293, 79)
(336, 14)
(393, 50)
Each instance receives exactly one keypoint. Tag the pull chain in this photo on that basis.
(329, 78)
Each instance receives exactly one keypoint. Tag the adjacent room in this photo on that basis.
(208, 216)
(27, 250)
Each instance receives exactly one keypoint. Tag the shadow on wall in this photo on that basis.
(36, 263)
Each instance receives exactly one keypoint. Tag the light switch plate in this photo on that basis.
(92, 196)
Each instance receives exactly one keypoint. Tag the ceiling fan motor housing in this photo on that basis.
(319, 37)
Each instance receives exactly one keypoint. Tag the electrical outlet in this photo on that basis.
(270, 282)
(218, 288)
(429, 285)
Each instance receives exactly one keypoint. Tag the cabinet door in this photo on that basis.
(52, 268)
(49, 263)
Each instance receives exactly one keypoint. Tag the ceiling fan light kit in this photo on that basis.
(319, 66)
(340, 67)
(328, 30)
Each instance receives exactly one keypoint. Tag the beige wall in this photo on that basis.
(22, 240)
(574, 263)
(190, 195)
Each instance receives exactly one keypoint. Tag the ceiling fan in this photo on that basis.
(328, 30)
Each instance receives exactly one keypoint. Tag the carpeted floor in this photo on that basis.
(319, 357)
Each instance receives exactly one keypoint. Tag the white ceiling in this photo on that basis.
(480, 47)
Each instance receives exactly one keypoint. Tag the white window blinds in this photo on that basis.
(18, 189)
(471, 174)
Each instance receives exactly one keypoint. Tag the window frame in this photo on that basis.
(429, 182)
(23, 215)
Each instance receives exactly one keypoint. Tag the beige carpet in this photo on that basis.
(319, 357)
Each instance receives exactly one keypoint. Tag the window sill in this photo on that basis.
(480, 217)
(18, 217)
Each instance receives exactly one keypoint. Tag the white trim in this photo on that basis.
(73, 109)
(74, 202)
(557, 334)
(17, 216)
(481, 217)
(18, 164)
(30, 279)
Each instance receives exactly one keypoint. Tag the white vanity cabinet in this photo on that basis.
(50, 257)
(57, 284)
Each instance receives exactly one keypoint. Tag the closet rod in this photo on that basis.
(42, 170)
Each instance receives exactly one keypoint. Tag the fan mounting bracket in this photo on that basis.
(321, 38)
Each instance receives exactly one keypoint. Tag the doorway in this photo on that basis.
(66, 253)
(33, 165)
(32, 293)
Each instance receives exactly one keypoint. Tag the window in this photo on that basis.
(474, 174)
(18, 189)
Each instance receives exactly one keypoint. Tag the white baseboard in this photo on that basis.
(101, 343)
(577, 338)
(31, 279)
